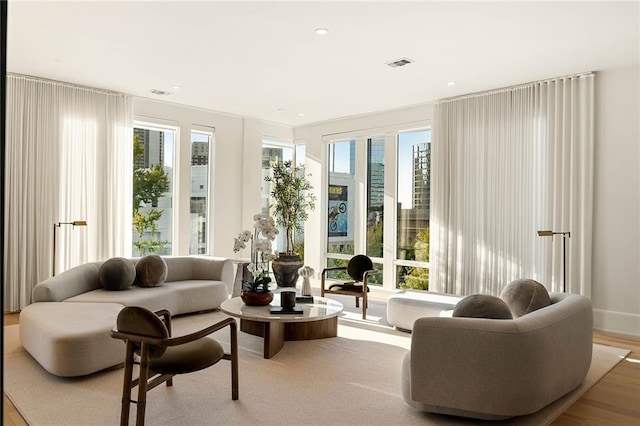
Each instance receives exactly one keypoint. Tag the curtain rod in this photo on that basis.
(518, 86)
(65, 84)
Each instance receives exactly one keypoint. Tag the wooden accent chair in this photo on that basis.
(360, 269)
(148, 338)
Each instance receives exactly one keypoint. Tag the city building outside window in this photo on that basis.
(413, 191)
(200, 150)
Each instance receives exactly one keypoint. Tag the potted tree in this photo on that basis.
(291, 192)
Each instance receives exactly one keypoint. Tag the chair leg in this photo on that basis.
(234, 361)
(365, 305)
(126, 386)
(357, 302)
(142, 385)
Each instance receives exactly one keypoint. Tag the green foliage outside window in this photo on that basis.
(416, 278)
(413, 278)
(149, 185)
(375, 240)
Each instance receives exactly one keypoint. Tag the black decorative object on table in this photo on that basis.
(288, 300)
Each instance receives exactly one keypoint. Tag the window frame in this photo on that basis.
(161, 125)
(390, 133)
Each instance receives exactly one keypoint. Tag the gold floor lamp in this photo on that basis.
(565, 235)
(58, 225)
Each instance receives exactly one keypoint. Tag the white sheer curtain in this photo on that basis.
(506, 164)
(68, 158)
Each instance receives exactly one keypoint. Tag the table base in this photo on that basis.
(276, 333)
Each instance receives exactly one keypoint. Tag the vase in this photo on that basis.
(252, 298)
(306, 272)
(285, 269)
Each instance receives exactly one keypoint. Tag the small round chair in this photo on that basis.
(360, 269)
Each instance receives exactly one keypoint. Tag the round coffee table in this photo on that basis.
(318, 320)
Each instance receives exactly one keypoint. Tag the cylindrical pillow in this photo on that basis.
(151, 270)
(482, 306)
(116, 273)
(524, 296)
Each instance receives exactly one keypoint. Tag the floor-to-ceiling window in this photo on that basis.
(153, 155)
(374, 236)
(413, 194)
(277, 152)
(199, 198)
(361, 191)
(341, 204)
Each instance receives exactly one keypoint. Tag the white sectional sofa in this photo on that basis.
(67, 328)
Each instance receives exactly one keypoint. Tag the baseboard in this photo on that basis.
(616, 322)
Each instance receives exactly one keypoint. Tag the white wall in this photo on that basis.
(235, 191)
(616, 215)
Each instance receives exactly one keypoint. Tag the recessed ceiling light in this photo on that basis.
(301, 114)
(176, 87)
(451, 83)
(322, 31)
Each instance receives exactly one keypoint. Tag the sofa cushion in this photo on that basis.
(116, 273)
(482, 306)
(151, 270)
(179, 297)
(524, 296)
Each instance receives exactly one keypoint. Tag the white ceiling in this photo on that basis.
(263, 59)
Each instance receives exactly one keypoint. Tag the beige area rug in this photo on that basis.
(353, 379)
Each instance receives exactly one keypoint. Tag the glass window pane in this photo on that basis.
(152, 190)
(375, 196)
(200, 145)
(274, 152)
(298, 236)
(414, 168)
(377, 278)
(412, 277)
(340, 274)
(341, 197)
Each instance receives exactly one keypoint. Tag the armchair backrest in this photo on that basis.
(135, 320)
(358, 265)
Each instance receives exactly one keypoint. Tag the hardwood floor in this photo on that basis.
(614, 400)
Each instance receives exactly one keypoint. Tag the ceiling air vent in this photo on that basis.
(399, 62)
(160, 92)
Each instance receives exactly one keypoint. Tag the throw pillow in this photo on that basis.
(482, 306)
(524, 296)
(116, 273)
(151, 270)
